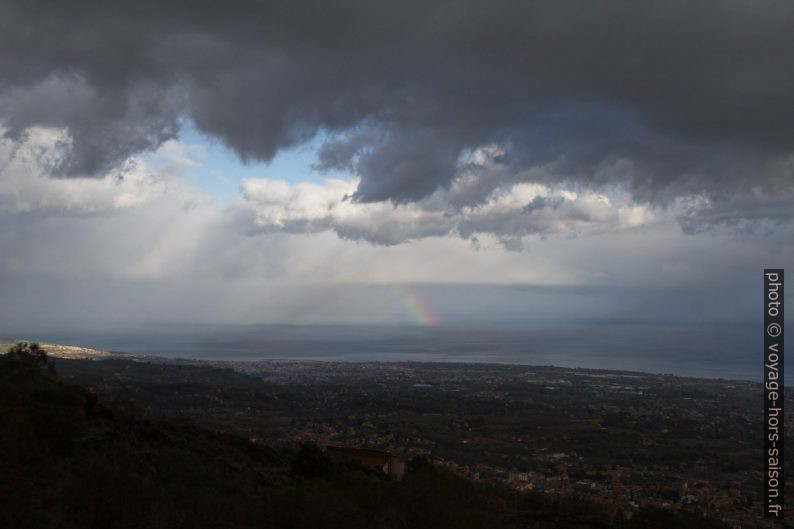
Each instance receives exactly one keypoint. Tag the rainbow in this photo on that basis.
(416, 307)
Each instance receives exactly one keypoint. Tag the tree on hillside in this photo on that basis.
(28, 356)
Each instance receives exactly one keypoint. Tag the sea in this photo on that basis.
(712, 351)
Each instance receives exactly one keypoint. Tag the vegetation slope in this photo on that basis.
(71, 459)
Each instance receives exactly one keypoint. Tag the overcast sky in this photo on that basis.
(501, 162)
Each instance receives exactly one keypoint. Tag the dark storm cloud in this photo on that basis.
(669, 98)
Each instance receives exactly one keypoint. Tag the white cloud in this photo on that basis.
(141, 244)
(510, 212)
(26, 185)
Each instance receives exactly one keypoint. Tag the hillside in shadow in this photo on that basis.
(70, 458)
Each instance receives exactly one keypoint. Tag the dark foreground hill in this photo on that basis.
(72, 459)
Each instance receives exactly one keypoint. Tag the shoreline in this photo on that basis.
(76, 352)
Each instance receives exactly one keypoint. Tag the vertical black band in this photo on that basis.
(773, 394)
